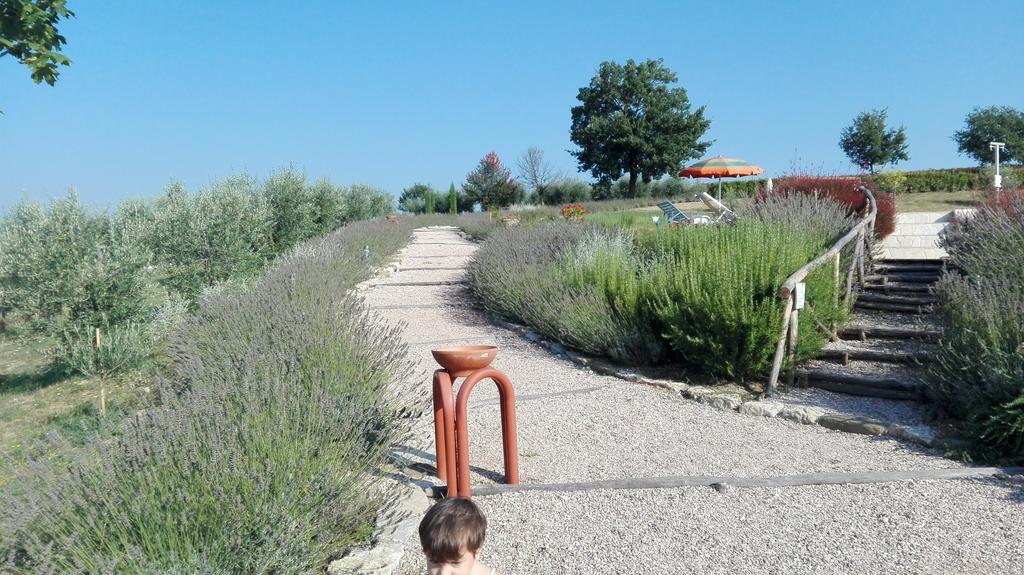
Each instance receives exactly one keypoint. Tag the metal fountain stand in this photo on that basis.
(451, 432)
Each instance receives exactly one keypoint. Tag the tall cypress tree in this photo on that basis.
(428, 200)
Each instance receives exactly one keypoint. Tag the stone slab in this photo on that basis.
(900, 253)
(924, 217)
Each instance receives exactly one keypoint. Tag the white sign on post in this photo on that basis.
(801, 292)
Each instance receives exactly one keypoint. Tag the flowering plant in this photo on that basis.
(574, 212)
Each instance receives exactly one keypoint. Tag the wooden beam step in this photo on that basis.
(903, 262)
(914, 309)
(899, 287)
(908, 268)
(897, 299)
(861, 354)
(862, 382)
(906, 277)
(849, 389)
(863, 333)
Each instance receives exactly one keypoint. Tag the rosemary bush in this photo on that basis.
(712, 293)
(704, 297)
(276, 409)
(980, 367)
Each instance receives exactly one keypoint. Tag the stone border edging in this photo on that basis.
(388, 547)
(923, 435)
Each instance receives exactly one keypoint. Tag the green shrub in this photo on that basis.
(703, 297)
(817, 214)
(890, 182)
(279, 405)
(712, 292)
(519, 273)
(414, 199)
(563, 191)
(979, 370)
(122, 347)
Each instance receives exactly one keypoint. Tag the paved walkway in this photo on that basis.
(577, 426)
(916, 236)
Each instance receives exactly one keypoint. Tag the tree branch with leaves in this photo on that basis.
(28, 31)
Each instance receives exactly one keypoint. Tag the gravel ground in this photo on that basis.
(575, 425)
(905, 345)
(961, 527)
(887, 410)
(870, 318)
(900, 371)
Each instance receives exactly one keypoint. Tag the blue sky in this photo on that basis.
(391, 93)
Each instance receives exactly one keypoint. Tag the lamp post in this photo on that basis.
(998, 179)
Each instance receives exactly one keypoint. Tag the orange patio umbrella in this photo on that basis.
(721, 168)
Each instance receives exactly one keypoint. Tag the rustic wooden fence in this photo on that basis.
(861, 234)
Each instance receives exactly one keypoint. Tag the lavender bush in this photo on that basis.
(703, 297)
(980, 367)
(274, 413)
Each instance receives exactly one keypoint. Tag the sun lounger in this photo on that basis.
(672, 213)
(674, 216)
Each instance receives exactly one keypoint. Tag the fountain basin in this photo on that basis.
(462, 360)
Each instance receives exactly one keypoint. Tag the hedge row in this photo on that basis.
(951, 180)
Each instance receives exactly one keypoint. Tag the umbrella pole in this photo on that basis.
(719, 190)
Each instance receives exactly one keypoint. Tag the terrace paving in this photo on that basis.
(916, 236)
(578, 426)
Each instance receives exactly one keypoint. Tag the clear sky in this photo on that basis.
(391, 93)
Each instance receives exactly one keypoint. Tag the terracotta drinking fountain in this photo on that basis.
(450, 416)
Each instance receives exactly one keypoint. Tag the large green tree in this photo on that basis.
(630, 121)
(414, 199)
(28, 31)
(868, 143)
(992, 124)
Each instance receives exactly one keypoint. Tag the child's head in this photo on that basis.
(452, 534)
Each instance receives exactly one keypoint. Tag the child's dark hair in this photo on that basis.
(450, 528)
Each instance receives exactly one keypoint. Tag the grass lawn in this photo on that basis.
(34, 400)
(641, 217)
(935, 201)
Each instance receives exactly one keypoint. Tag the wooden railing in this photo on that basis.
(861, 233)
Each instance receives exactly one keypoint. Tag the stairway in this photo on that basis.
(883, 349)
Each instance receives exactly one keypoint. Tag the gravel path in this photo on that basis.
(575, 425)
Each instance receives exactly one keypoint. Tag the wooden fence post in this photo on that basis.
(835, 278)
(863, 245)
(849, 274)
(780, 350)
